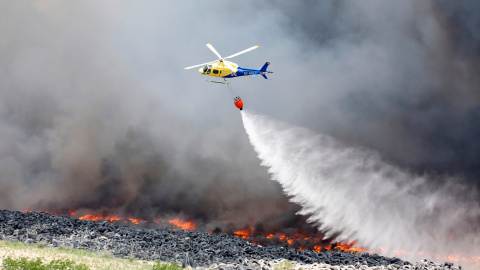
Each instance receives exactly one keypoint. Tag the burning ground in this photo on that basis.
(191, 248)
(308, 239)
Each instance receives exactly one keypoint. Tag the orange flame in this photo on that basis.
(100, 217)
(248, 234)
(185, 225)
(244, 233)
(350, 247)
(298, 241)
(137, 221)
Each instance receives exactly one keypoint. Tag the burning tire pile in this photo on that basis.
(195, 249)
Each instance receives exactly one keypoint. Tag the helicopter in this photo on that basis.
(225, 69)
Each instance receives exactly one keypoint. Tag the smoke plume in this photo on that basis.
(98, 115)
(78, 131)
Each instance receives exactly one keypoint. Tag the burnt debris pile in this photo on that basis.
(197, 249)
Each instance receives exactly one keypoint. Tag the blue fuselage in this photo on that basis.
(223, 71)
(242, 72)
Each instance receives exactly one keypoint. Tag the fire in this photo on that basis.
(100, 217)
(290, 240)
(112, 218)
(185, 225)
(350, 247)
(137, 221)
(299, 240)
(244, 233)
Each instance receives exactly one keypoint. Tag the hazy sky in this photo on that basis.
(398, 77)
(97, 112)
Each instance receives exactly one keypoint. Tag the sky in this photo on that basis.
(97, 112)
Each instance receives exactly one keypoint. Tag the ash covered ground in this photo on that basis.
(190, 248)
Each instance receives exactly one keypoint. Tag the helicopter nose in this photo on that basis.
(200, 70)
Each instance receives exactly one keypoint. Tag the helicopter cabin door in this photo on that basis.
(216, 72)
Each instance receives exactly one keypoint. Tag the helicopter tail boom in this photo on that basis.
(262, 71)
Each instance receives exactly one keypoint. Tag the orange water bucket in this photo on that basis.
(238, 102)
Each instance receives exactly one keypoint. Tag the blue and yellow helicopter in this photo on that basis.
(225, 69)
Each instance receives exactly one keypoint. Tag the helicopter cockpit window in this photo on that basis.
(208, 71)
(215, 71)
(205, 68)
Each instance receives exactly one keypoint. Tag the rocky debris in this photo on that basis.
(195, 249)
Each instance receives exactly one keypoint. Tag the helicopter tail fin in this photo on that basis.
(264, 68)
(262, 71)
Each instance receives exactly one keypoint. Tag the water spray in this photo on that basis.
(351, 194)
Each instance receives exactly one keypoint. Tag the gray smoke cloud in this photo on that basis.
(399, 77)
(96, 111)
(81, 131)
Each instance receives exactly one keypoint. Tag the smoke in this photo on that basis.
(97, 113)
(353, 195)
(398, 77)
(80, 131)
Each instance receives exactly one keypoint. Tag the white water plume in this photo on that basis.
(352, 195)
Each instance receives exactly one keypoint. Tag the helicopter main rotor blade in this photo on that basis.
(204, 64)
(229, 66)
(213, 50)
(242, 52)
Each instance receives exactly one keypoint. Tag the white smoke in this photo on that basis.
(352, 195)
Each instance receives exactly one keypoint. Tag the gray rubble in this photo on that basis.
(191, 248)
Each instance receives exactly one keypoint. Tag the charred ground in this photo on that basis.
(191, 247)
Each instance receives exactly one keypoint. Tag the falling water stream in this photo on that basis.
(351, 194)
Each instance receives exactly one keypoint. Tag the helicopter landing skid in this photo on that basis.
(210, 80)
